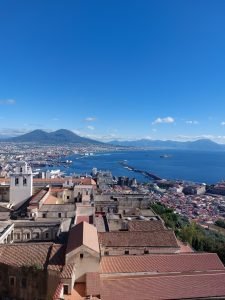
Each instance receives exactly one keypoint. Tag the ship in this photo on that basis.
(165, 156)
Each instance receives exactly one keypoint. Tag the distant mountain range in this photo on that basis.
(64, 136)
(202, 144)
(61, 136)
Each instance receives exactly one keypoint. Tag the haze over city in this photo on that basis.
(113, 70)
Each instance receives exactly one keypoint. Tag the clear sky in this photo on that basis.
(113, 69)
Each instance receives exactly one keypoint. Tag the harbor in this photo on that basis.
(144, 173)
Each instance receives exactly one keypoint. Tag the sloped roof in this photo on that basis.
(189, 286)
(68, 271)
(43, 255)
(82, 234)
(151, 225)
(88, 219)
(51, 200)
(161, 263)
(92, 283)
(162, 238)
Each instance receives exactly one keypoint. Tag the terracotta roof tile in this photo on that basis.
(68, 271)
(83, 234)
(161, 263)
(164, 287)
(163, 238)
(92, 284)
(42, 255)
(57, 257)
(58, 292)
(151, 225)
(80, 219)
(52, 200)
(19, 255)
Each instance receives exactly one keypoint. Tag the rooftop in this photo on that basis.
(83, 234)
(171, 286)
(150, 225)
(42, 255)
(162, 238)
(161, 263)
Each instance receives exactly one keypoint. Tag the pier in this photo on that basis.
(144, 173)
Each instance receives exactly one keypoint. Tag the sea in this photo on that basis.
(194, 166)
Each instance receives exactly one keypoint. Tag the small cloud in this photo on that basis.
(192, 122)
(55, 119)
(12, 131)
(7, 102)
(164, 120)
(196, 137)
(90, 119)
(222, 123)
(91, 127)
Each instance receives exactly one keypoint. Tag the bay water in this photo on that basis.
(196, 166)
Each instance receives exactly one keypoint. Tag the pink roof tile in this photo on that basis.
(68, 271)
(167, 287)
(80, 219)
(92, 284)
(161, 263)
(42, 255)
(83, 234)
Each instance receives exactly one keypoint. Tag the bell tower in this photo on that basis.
(21, 184)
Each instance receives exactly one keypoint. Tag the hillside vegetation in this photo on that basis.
(199, 238)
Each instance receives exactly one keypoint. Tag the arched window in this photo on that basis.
(24, 181)
(16, 181)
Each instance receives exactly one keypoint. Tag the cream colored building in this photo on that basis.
(82, 255)
(21, 184)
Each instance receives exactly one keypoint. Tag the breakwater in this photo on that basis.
(144, 173)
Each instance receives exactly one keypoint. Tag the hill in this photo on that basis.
(61, 136)
(202, 144)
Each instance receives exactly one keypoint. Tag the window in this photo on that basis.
(24, 283)
(65, 289)
(81, 255)
(21, 170)
(59, 215)
(44, 215)
(16, 181)
(36, 235)
(126, 252)
(106, 253)
(17, 236)
(47, 235)
(68, 197)
(12, 280)
(24, 181)
(146, 252)
(27, 236)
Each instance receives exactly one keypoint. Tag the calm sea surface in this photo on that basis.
(208, 167)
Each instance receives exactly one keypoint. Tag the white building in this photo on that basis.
(21, 184)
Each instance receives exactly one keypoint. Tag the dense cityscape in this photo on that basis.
(112, 150)
(82, 236)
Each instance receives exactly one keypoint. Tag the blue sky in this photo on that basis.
(113, 69)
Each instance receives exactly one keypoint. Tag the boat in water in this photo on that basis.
(165, 156)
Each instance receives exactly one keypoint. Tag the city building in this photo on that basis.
(21, 184)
